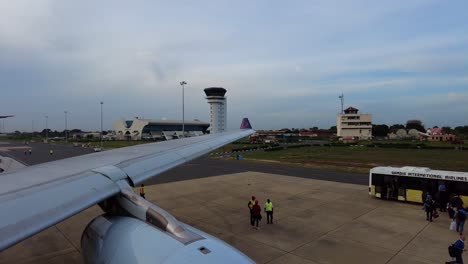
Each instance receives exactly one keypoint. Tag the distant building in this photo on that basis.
(435, 131)
(437, 134)
(316, 133)
(352, 125)
(218, 109)
(157, 129)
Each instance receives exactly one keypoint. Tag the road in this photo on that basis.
(199, 168)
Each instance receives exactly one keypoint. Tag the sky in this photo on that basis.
(283, 63)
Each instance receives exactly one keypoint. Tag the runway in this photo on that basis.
(199, 168)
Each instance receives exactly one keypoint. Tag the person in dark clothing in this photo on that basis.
(429, 207)
(457, 202)
(256, 212)
(459, 247)
(251, 204)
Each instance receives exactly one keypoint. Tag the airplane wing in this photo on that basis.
(37, 197)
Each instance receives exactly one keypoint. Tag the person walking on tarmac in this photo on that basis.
(256, 212)
(269, 211)
(456, 251)
(251, 205)
(429, 207)
(142, 191)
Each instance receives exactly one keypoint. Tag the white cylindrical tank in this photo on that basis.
(218, 109)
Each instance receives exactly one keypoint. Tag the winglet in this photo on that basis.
(245, 124)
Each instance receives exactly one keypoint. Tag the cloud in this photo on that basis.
(297, 56)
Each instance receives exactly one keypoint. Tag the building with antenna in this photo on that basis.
(218, 109)
(351, 125)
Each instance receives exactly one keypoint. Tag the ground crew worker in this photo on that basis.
(142, 191)
(269, 211)
(256, 212)
(51, 152)
(251, 205)
(30, 151)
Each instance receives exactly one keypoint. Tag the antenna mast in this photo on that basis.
(342, 102)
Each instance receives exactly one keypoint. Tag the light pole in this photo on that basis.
(46, 129)
(66, 134)
(182, 83)
(101, 123)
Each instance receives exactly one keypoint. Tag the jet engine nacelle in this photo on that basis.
(122, 239)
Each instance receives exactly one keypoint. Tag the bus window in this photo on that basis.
(377, 179)
(460, 188)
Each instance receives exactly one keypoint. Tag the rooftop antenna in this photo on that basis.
(342, 102)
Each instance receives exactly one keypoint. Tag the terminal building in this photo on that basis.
(157, 129)
(354, 126)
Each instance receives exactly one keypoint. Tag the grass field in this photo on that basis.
(360, 159)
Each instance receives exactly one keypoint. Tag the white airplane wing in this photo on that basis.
(37, 197)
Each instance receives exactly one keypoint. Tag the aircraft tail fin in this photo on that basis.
(245, 124)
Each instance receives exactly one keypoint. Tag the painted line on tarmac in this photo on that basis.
(411, 240)
(10, 156)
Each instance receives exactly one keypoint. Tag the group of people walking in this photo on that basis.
(456, 213)
(255, 212)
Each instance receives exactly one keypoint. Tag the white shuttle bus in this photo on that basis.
(411, 184)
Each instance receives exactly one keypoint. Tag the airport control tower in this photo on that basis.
(218, 109)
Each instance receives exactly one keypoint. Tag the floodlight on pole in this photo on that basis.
(47, 128)
(66, 126)
(101, 122)
(183, 83)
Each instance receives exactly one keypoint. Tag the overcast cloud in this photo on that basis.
(284, 63)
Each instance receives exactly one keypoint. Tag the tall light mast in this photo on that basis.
(183, 83)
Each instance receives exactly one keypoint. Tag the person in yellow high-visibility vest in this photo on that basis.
(142, 191)
(269, 211)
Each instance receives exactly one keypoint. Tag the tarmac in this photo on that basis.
(315, 221)
(199, 168)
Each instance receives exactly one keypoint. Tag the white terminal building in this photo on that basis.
(352, 125)
(218, 109)
(157, 129)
